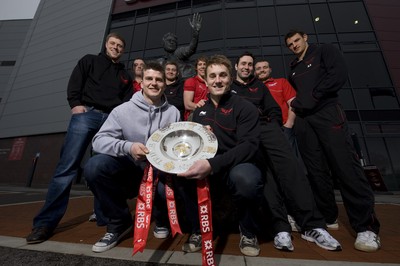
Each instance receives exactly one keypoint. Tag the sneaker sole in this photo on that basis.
(284, 248)
(102, 249)
(332, 227)
(364, 248)
(186, 248)
(160, 236)
(249, 253)
(310, 239)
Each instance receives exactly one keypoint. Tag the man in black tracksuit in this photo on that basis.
(317, 74)
(237, 130)
(290, 179)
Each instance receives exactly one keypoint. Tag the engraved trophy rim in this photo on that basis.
(174, 148)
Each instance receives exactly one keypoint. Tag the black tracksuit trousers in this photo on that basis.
(289, 184)
(325, 144)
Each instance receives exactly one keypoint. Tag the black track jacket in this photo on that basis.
(317, 78)
(236, 128)
(258, 94)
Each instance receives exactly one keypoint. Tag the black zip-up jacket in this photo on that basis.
(317, 78)
(97, 81)
(258, 94)
(236, 128)
(174, 93)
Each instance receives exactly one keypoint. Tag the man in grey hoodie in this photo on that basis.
(115, 173)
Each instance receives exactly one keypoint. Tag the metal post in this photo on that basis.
(33, 168)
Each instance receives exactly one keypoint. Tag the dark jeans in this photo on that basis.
(113, 180)
(289, 183)
(324, 137)
(81, 130)
(245, 183)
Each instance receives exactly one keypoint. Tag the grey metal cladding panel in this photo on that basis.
(61, 33)
(54, 120)
(35, 103)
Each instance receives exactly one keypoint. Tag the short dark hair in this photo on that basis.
(220, 60)
(138, 58)
(117, 36)
(200, 58)
(155, 66)
(293, 32)
(244, 54)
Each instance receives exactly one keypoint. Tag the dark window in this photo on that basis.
(241, 23)
(157, 29)
(294, 17)
(267, 21)
(367, 70)
(139, 37)
(322, 18)
(7, 63)
(350, 17)
(346, 99)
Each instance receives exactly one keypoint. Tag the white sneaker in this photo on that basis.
(161, 232)
(367, 241)
(110, 240)
(333, 226)
(283, 241)
(322, 238)
(293, 224)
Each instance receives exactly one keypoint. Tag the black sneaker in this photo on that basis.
(110, 240)
(193, 244)
(39, 235)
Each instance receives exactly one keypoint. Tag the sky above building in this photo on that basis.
(18, 9)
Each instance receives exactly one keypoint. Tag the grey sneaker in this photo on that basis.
(333, 226)
(92, 218)
(283, 241)
(109, 240)
(367, 241)
(161, 232)
(193, 244)
(322, 238)
(293, 224)
(249, 246)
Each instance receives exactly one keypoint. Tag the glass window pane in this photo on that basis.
(346, 99)
(211, 26)
(157, 29)
(363, 99)
(267, 21)
(139, 37)
(322, 18)
(241, 23)
(367, 70)
(393, 180)
(294, 17)
(350, 17)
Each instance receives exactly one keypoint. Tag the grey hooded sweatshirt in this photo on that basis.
(132, 121)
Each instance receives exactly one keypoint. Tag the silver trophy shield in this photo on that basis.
(175, 148)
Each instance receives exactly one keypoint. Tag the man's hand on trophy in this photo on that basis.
(195, 22)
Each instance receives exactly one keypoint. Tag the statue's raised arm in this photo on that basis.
(182, 54)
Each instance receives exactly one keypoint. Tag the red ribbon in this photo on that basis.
(205, 216)
(144, 205)
(172, 213)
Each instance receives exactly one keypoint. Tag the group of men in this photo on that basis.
(253, 117)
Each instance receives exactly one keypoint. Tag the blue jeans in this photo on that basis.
(113, 180)
(81, 130)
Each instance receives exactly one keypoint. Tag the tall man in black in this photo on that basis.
(289, 178)
(317, 74)
(97, 84)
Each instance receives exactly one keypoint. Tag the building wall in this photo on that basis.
(34, 103)
(61, 32)
(12, 36)
(385, 17)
